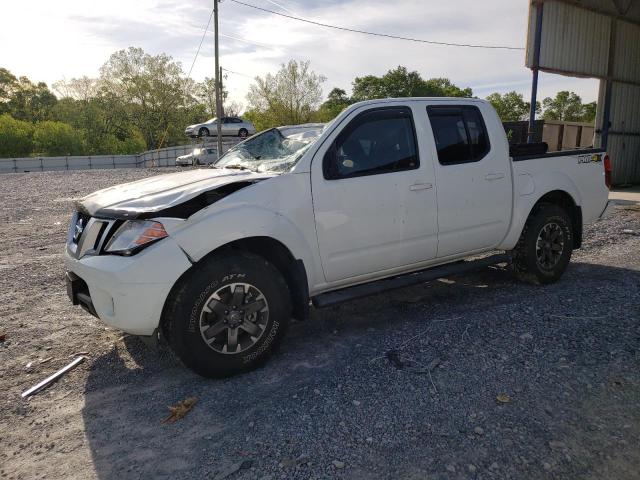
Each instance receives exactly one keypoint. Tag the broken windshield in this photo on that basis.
(269, 151)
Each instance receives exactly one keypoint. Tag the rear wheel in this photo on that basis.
(545, 246)
(229, 315)
(243, 133)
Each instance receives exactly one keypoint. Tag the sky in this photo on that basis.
(49, 41)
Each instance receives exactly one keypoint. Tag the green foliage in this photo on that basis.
(399, 82)
(568, 106)
(511, 106)
(53, 138)
(288, 97)
(148, 91)
(589, 112)
(16, 137)
(337, 100)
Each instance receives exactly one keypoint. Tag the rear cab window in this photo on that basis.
(459, 133)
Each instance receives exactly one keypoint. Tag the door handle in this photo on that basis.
(420, 186)
(494, 176)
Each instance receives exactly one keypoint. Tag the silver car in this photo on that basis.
(231, 126)
(199, 156)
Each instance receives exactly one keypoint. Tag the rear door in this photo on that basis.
(473, 177)
(373, 195)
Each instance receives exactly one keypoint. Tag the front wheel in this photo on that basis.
(243, 133)
(545, 246)
(203, 132)
(229, 315)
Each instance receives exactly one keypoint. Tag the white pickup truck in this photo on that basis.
(391, 193)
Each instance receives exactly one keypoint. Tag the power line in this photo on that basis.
(238, 73)
(204, 34)
(386, 35)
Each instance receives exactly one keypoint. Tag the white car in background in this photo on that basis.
(231, 126)
(199, 156)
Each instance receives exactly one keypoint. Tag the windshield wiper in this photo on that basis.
(236, 167)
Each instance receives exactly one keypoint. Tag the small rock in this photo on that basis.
(369, 439)
(451, 468)
(316, 391)
(479, 430)
(472, 468)
(356, 403)
(494, 466)
(434, 363)
(251, 424)
(526, 336)
(338, 464)
(628, 231)
(557, 445)
(546, 466)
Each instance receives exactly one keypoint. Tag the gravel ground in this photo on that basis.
(403, 385)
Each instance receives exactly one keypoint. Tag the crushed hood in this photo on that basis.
(161, 192)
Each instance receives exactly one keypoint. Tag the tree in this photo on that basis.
(148, 91)
(399, 82)
(288, 97)
(56, 138)
(589, 112)
(233, 109)
(337, 100)
(511, 106)
(8, 83)
(565, 106)
(16, 137)
(24, 100)
(205, 93)
(83, 89)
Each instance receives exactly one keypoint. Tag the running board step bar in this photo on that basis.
(366, 289)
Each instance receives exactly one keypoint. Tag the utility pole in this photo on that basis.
(218, 80)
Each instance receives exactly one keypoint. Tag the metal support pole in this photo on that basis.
(608, 87)
(217, 80)
(535, 69)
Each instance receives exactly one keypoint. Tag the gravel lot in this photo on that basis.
(403, 385)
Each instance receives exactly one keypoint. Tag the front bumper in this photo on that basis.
(127, 293)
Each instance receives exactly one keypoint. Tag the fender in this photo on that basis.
(264, 210)
(526, 197)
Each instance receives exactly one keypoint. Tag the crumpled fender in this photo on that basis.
(264, 210)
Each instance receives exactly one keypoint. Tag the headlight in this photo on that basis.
(197, 151)
(134, 235)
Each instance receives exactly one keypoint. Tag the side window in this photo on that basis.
(225, 120)
(376, 141)
(236, 120)
(460, 134)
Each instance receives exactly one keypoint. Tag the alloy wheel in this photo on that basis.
(234, 318)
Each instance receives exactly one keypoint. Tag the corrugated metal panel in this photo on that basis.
(574, 40)
(626, 63)
(625, 155)
(625, 108)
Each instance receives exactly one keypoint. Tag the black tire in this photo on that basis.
(189, 314)
(203, 132)
(544, 249)
(243, 133)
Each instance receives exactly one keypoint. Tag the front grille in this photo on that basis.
(88, 235)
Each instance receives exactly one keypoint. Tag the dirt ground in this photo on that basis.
(474, 376)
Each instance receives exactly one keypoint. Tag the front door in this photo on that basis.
(374, 202)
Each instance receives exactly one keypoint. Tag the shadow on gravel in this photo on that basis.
(333, 403)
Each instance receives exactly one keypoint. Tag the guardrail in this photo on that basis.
(162, 157)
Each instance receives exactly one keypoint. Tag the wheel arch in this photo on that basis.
(560, 197)
(275, 252)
